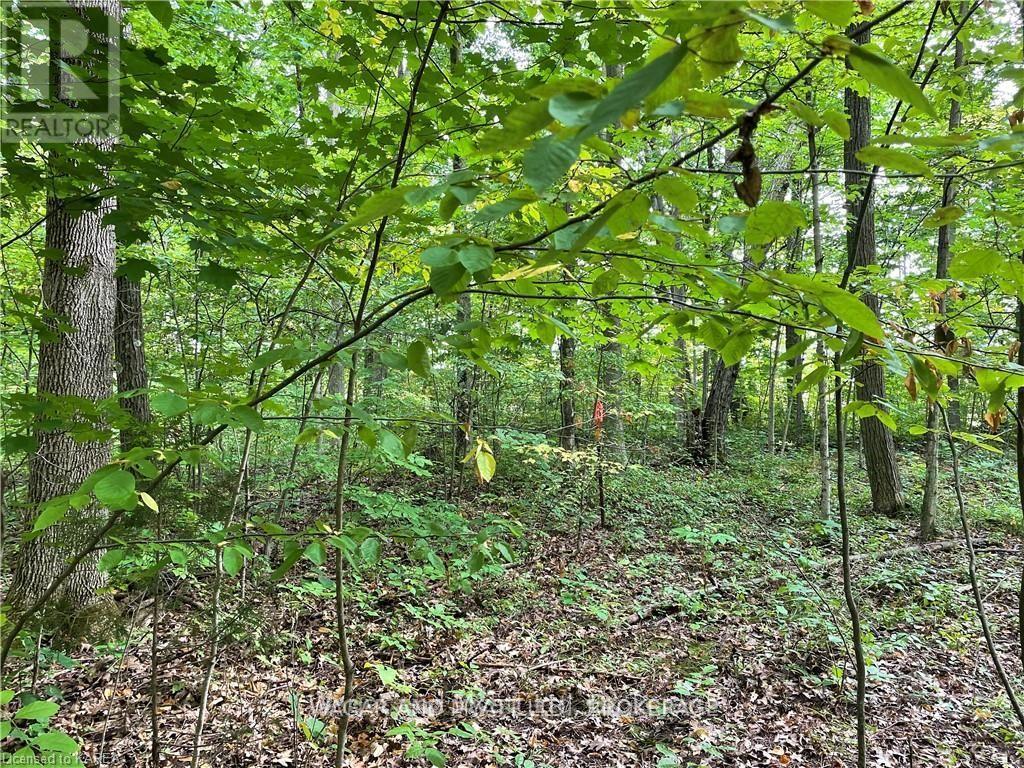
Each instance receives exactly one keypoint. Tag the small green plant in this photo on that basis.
(33, 741)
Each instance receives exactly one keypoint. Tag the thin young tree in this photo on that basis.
(943, 337)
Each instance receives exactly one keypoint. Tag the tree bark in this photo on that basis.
(130, 354)
(566, 388)
(879, 448)
(75, 361)
(710, 443)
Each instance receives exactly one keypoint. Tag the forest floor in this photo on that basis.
(704, 627)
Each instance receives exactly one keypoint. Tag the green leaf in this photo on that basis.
(476, 258)
(53, 741)
(316, 552)
(169, 404)
(721, 49)
(419, 359)
(476, 561)
(893, 158)
(547, 160)
(116, 489)
(771, 220)
(450, 279)
(232, 559)
(677, 192)
(503, 208)
(974, 262)
(394, 360)
(249, 417)
(606, 282)
(434, 757)
(291, 557)
(370, 550)
(879, 71)
(110, 559)
(218, 276)
(838, 122)
(837, 12)
(944, 216)
(448, 206)
(781, 24)
(439, 256)
(573, 110)
(37, 710)
(805, 113)
(382, 204)
(518, 125)
(485, 465)
(162, 11)
(633, 89)
(732, 225)
(135, 269)
(852, 311)
(52, 511)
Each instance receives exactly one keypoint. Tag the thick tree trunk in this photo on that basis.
(74, 363)
(943, 335)
(566, 388)
(130, 354)
(710, 443)
(879, 447)
(78, 289)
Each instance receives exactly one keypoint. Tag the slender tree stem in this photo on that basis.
(851, 600)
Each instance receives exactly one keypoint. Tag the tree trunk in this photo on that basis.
(75, 363)
(130, 354)
(943, 336)
(566, 387)
(462, 405)
(879, 447)
(681, 390)
(824, 469)
(78, 288)
(710, 444)
(773, 365)
(610, 386)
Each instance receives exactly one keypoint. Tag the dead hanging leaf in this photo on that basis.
(911, 384)
(968, 348)
(866, 7)
(748, 190)
(1013, 351)
(994, 419)
(1017, 118)
(952, 346)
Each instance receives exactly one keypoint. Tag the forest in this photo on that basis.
(512, 383)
